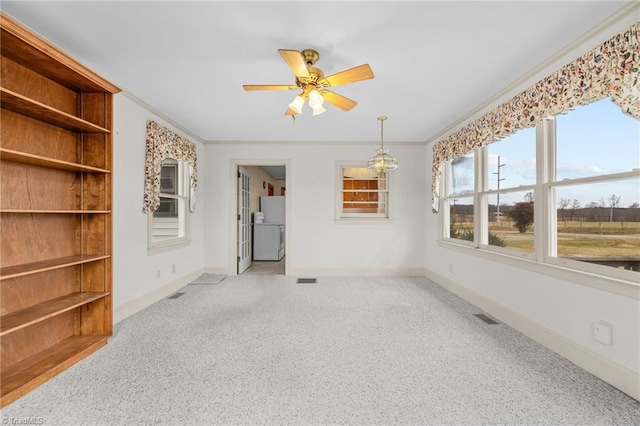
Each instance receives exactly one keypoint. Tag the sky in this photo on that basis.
(592, 140)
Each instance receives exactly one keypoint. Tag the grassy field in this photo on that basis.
(600, 228)
(607, 239)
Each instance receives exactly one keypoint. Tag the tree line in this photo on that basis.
(521, 213)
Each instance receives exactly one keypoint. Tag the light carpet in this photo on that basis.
(208, 279)
(356, 350)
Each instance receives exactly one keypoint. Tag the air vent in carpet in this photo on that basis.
(175, 296)
(307, 281)
(486, 319)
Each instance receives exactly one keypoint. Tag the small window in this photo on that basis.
(363, 193)
(168, 224)
(168, 188)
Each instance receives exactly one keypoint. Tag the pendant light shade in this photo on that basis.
(382, 162)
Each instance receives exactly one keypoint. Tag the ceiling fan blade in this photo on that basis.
(293, 58)
(340, 101)
(252, 87)
(289, 111)
(359, 73)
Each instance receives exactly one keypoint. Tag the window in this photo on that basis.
(566, 192)
(596, 189)
(362, 193)
(168, 225)
(460, 198)
(509, 182)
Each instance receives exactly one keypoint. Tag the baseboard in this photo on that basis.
(218, 271)
(616, 375)
(136, 305)
(360, 272)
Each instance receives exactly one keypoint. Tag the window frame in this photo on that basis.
(349, 217)
(549, 186)
(545, 213)
(182, 194)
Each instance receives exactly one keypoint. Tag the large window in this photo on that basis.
(362, 193)
(168, 225)
(566, 192)
(596, 188)
(460, 198)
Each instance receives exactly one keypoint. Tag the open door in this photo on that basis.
(244, 221)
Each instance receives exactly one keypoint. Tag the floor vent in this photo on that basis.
(307, 281)
(486, 319)
(175, 296)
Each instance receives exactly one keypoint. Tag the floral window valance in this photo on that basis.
(162, 143)
(609, 70)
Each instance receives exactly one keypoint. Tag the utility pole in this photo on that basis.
(498, 195)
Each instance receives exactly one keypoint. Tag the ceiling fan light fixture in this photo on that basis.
(317, 109)
(315, 98)
(296, 104)
(382, 162)
(313, 83)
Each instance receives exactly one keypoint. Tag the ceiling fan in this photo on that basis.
(313, 83)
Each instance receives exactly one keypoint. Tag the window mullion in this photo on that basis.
(481, 209)
(545, 237)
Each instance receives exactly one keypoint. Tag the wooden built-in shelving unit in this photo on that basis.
(55, 211)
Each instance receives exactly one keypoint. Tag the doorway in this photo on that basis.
(254, 179)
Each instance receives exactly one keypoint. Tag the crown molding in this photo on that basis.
(318, 143)
(172, 122)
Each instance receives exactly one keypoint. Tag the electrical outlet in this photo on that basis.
(158, 275)
(603, 332)
(173, 268)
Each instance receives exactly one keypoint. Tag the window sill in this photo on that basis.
(621, 287)
(166, 246)
(364, 221)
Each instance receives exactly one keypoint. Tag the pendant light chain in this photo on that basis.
(381, 132)
(382, 162)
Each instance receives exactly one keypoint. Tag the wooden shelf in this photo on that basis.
(37, 160)
(56, 159)
(34, 109)
(25, 375)
(55, 211)
(47, 265)
(42, 311)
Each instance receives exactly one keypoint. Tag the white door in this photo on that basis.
(244, 221)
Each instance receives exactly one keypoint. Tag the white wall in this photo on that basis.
(555, 308)
(315, 243)
(135, 274)
(558, 312)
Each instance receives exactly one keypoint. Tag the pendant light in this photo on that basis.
(382, 162)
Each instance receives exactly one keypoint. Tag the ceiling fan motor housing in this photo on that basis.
(310, 56)
(316, 77)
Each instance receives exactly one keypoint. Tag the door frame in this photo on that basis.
(233, 214)
(243, 206)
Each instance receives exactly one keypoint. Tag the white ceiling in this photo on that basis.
(433, 61)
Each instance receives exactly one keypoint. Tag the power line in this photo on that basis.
(498, 195)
